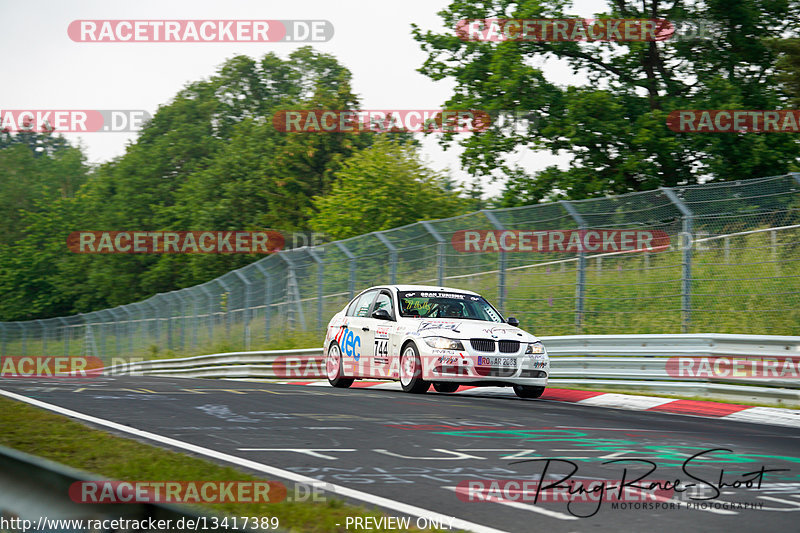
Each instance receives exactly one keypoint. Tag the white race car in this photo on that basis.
(424, 334)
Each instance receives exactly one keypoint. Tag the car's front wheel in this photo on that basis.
(333, 368)
(411, 371)
(524, 391)
(444, 386)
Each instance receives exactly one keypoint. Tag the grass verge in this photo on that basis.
(58, 438)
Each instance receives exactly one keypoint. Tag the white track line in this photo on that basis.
(373, 499)
(515, 504)
(646, 494)
(794, 505)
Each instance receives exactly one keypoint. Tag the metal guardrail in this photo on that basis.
(607, 361)
(37, 490)
(269, 364)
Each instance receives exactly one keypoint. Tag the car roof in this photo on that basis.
(430, 288)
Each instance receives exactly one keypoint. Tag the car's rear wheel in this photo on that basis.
(444, 386)
(333, 368)
(524, 391)
(411, 371)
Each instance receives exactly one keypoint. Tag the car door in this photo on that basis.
(382, 335)
(357, 336)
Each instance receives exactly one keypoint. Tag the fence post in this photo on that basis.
(580, 289)
(116, 331)
(140, 329)
(161, 302)
(440, 244)
(129, 328)
(686, 266)
(501, 263)
(155, 332)
(65, 335)
(229, 294)
(101, 328)
(182, 317)
(293, 290)
(190, 292)
(773, 241)
(352, 284)
(170, 321)
(44, 336)
(89, 346)
(24, 338)
(210, 312)
(185, 320)
(267, 297)
(392, 256)
(246, 304)
(320, 278)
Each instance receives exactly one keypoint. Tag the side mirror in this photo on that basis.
(381, 314)
(512, 321)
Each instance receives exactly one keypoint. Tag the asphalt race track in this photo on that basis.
(415, 449)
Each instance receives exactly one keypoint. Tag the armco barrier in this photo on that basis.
(37, 490)
(226, 365)
(607, 361)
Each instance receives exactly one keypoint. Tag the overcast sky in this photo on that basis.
(43, 69)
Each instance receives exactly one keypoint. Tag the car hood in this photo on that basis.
(470, 329)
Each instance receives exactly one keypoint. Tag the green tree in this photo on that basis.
(39, 143)
(37, 196)
(614, 127)
(210, 159)
(39, 278)
(788, 65)
(263, 178)
(31, 178)
(382, 187)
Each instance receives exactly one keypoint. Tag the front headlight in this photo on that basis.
(443, 343)
(534, 348)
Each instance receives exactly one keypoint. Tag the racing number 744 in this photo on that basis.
(427, 335)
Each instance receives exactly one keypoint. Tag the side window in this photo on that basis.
(360, 307)
(351, 310)
(384, 301)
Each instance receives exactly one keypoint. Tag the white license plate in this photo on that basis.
(496, 361)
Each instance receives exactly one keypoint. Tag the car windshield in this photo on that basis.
(416, 304)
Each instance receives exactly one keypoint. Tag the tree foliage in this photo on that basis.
(614, 127)
(383, 187)
(788, 65)
(210, 159)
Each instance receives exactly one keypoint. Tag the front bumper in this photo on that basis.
(471, 366)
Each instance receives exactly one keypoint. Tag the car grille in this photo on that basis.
(509, 346)
(496, 371)
(482, 345)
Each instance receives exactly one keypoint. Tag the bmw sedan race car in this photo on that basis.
(421, 335)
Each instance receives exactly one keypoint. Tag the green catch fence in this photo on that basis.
(732, 266)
